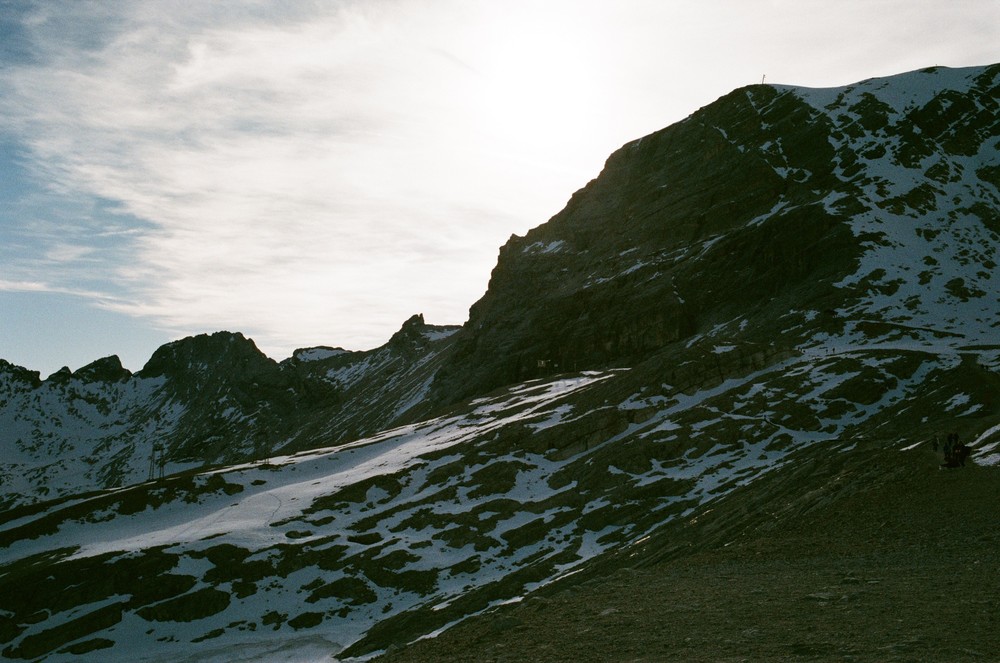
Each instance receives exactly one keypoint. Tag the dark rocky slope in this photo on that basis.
(867, 554)
(660, 246)
(755, 211)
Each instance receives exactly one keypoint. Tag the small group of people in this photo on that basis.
(955, 451)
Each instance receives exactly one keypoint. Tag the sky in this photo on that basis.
(315, 172)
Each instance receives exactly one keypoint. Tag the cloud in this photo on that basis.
(41, 287)
(276, 160)
(23, 286)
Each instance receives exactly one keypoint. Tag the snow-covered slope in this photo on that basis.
(313, 520)
(200, 401)
(920, 160)
(395, 536)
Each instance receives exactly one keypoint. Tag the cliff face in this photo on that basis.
(676, 235)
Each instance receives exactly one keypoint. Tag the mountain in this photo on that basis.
(756, 318)
(775, 217)
(204, 400)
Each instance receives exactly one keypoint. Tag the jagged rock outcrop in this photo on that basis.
(197, 355)
(107, 369)
(14, 375)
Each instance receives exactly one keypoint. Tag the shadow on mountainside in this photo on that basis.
(859, 553)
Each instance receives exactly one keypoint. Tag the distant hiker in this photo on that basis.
(960, 452)
(955, 452)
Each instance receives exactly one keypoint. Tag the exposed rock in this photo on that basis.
(108, 369)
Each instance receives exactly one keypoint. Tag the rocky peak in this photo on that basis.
(316, 353)
(416, 335)
(107, 369)
(769, 204)
(192, 354)
(15, 373)
(410, 332)
(62, 376)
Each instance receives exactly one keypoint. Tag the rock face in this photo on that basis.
(108, 369)
(762, 218)
(745, 316)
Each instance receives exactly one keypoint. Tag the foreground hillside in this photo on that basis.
(371, 545)
(866, 554)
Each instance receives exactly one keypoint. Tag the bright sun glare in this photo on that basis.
(537, 85)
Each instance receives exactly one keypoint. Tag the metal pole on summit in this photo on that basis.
(762, 78)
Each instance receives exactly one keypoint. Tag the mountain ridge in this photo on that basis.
(202, 400)
(782, 280)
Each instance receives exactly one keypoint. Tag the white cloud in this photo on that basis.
(318, 175)
(41, 287)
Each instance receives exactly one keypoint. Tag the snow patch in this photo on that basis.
(319, 353)
(543, 247)
(439, 333)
